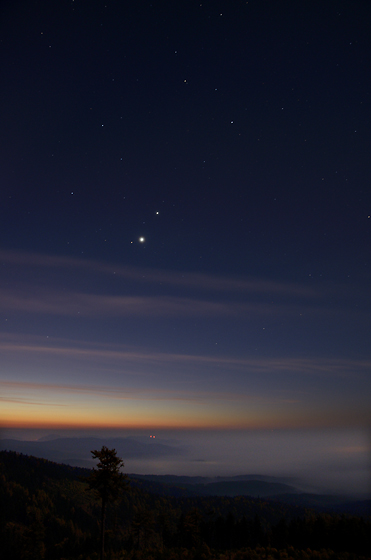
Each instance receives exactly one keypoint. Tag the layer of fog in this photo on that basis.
(331, 461)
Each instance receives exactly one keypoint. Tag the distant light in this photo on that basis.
(141, 239)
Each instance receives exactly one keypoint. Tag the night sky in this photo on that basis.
(185, 215)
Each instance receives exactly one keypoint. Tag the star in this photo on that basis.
(141, 239)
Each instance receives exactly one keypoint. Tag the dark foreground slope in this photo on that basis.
(47, 512)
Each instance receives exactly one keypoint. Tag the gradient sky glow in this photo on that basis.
(103, 345)
(185, 218)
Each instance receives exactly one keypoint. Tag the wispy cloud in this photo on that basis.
(195, 341)
(204, 282)
(30, 347)
(39, 284)
(87, 305)
(128, 393)
(25, 400)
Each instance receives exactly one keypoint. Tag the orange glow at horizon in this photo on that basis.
(48, 420)
(48, 406)
(143, 416)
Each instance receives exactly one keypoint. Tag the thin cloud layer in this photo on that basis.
(32, 347)
(198, 281)
(185, 348)
(43, 285)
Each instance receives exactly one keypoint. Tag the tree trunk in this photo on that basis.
(102, 528)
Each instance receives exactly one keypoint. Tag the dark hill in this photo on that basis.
(254, 488)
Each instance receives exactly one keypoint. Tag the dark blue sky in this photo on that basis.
(185, 214)
(246, 125)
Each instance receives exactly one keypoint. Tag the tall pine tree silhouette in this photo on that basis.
(107, 481)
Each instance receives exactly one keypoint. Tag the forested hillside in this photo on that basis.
(47, 512)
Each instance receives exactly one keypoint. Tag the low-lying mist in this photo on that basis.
(322, 461)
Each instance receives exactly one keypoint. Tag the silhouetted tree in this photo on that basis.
(107, 481)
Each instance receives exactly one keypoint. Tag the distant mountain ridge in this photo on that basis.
(244, 485)
(183, 479)
(254, 487)
(77, 453)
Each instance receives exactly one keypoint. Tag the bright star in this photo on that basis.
(141, 239)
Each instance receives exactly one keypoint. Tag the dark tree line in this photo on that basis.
(48, 512)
